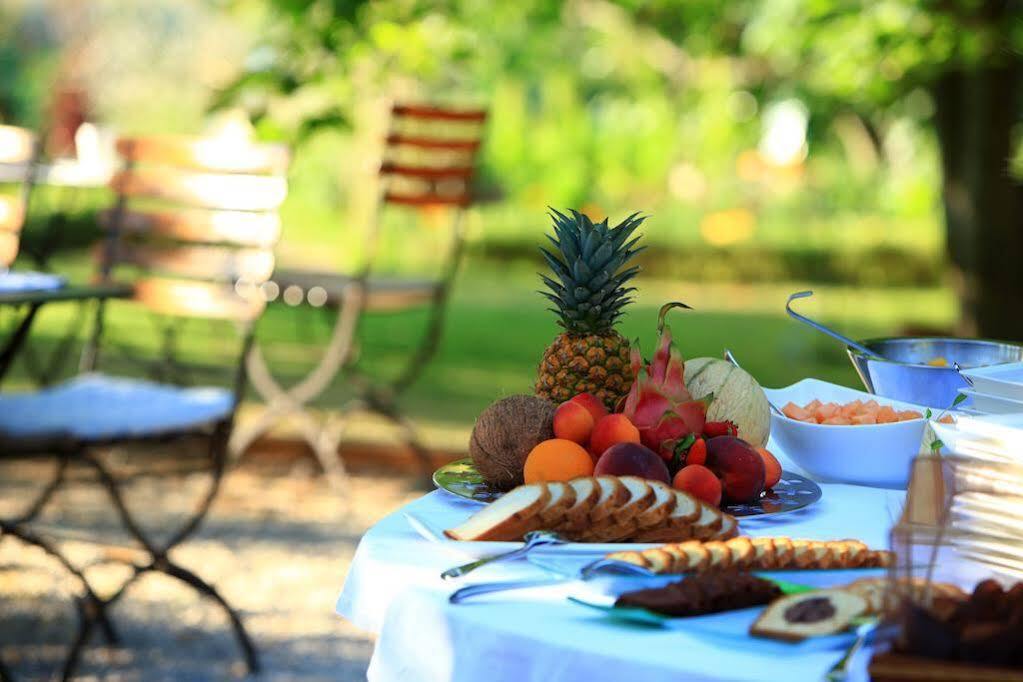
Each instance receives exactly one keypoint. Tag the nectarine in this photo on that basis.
(740, 468)
(632, 459)
(573, 422)
(700, 482)
(612, 429)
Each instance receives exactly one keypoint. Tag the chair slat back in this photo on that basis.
(17, 145)
(430, 154)
(19, 153)
(198, 219)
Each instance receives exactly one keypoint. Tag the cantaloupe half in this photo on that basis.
(737, 397)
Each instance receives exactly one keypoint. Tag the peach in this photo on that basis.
(612, 429)
(740, 468)
(772, 468)
(593, 405)
(572, 421)
(700, 482)
(632, 459)
(556, 459)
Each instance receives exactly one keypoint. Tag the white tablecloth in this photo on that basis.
(393, 590)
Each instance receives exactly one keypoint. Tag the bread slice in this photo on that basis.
(641, 498)
(637, 558)
(708, 523)
(773, 622)
(678, 526)
(764, 556)
(680, 563)
(661, 509)
(857, 552)
(507, 518)
(613, 494)
(660, 560)
(742, 552)
(802, 556)
(821, 554)
(587, 492)
(729, 527)
(784, 552)
(562, 499)
(720, 555)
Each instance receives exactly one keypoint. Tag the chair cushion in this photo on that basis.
(98, 407)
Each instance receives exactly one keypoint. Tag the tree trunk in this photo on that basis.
(976, 112)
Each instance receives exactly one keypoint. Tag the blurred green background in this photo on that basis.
(775, 145)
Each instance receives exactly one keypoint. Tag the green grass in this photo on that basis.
(498, 327)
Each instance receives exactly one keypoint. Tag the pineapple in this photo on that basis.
(588, 291)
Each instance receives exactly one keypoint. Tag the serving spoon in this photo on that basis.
(735, 363)
(827, 330)
(533, 539)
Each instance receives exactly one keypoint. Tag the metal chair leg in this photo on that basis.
(158, 557)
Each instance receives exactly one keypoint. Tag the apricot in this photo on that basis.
(557, 459)
(772, 468)
(632, 459)
(593, 405)
(612, 429)
(572, 421)
(700, 482)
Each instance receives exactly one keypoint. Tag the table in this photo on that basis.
(393, 590)
(34, 299)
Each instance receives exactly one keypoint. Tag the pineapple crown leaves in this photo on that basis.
(588, 263)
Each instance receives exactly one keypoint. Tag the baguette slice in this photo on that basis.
(613, 494)
(562, 499)
(678, 526)
(587, 493)
(709, 522)
(507, 518)
(822, 554)
(857, 551)
(661, 509)
(641, 498)
(661, 561)
(802, 555)
(729, 527)
(698, 555)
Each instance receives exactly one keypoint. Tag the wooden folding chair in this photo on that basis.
(19, 154)
(193, 228)
(428, 163)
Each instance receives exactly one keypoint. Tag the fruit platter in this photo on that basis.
(613, 447)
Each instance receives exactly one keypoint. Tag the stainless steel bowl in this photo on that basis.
(905, 375)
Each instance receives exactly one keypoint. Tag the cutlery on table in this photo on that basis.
(840, 671)
(533, 539)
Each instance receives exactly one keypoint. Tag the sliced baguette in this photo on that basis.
(742, 552)
(709, 522)
(764, 556)
(661, 509)
(562, 499)
(613, 494)
(720, 554)
(587, 493)
(802, 555)
(729, 527)
(507, 518)
(661, 561)
(678, 526)
(641, 498)
(784, 551)
(637, 558)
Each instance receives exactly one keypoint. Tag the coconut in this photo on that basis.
(505, 433)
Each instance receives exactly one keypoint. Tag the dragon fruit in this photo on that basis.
(659, 405)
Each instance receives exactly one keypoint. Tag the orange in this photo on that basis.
(557, 459)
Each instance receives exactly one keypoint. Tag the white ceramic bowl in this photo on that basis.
(999, 381)
(876, 455)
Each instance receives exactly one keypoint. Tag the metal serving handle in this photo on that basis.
(827, 330)
(536, 538)
(463, 593)
(735, 363)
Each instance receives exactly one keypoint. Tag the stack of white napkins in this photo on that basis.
(996, 389)
(984, 465)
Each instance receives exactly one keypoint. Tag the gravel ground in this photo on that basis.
(277, 544)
